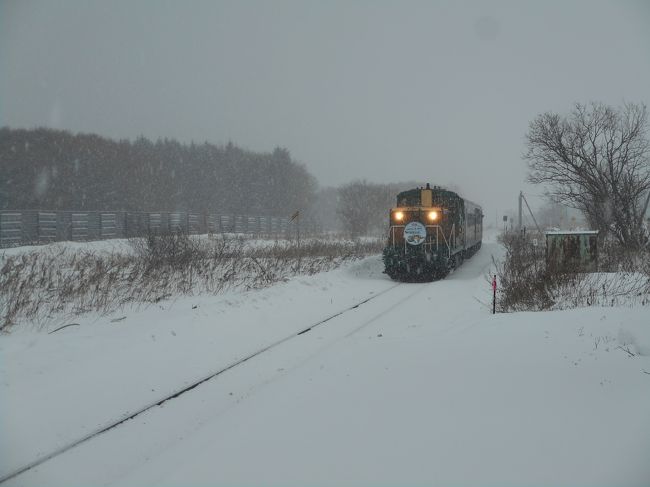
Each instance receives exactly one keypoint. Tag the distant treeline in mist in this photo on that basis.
(57, 170)
(362, 207)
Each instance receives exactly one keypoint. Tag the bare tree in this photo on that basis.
(356, 208)
(362, 206)
(596, 160)
(553, 214)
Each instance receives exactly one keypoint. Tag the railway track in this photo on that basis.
(132, 415)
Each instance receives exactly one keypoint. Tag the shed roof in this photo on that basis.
(572, 232)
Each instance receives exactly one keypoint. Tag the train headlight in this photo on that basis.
(433, 216)
(398, 215)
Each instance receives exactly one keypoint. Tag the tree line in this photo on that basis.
(57, 170)
(362, 207)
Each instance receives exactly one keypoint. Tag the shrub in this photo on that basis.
(527, 283)
(55, 281)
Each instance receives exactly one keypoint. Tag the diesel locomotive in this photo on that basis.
(431, 232)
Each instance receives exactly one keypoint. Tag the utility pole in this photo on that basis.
(521, 197)
(494, 294)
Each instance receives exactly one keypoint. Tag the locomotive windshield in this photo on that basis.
(409, 198)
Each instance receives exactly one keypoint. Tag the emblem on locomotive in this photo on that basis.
(415, 233)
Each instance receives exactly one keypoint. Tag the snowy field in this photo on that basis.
(420, 385)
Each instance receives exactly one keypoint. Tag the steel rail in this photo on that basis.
(128, 416)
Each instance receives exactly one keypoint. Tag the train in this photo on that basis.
(431, 232)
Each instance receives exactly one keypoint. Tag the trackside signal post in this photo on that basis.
(296, 217)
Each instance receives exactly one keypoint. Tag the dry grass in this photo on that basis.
(56, 281)
(526, 283)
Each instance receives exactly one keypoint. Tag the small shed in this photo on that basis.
(575, 250)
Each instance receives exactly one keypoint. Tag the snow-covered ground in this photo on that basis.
(420, 385)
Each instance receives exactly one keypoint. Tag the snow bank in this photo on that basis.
(420, 386)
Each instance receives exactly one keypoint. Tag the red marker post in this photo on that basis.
(494, 294)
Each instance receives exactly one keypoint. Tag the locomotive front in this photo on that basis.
(422, 234)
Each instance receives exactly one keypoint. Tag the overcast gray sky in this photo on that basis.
(387, 91)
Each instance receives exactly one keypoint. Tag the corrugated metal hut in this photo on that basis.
(573, 250)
